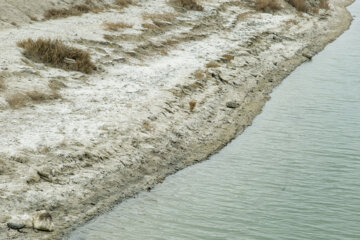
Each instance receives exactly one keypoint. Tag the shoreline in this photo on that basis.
(226, 100)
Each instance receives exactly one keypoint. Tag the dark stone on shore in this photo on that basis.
(232, 104)
(16, 226)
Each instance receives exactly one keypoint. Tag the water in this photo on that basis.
(294, 174)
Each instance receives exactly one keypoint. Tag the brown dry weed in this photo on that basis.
(300, 5)
(115, 26)
(17, 100)
(165, 16)
(189, 4)
(124, 3)
(324, 4)
(57, 54)
(265, 5)
(212, 64)
(73, 11)
(192, 105)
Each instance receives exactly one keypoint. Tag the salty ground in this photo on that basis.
(170, 89)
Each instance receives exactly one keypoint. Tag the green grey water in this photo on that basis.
(294, 174)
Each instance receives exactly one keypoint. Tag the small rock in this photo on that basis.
(232, 104)
(306, 53)
(16, 226)
(42, 220)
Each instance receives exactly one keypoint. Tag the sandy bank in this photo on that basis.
(127, 126)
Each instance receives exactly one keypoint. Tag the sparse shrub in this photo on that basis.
(189, 4)
(57, 54)
(73, 11)
(192, 105)
(300, 5)
(114, 26)
(315, 10)
(199, 74)
(228, 57)
(124, 3)
(165, 16)
(212, 64)
(324, 4)
(38, 96)
(56, 84)
(17, 100)
(264, 5)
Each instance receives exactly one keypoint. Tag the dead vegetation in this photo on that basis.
(199, 74)
(38, 96)
(188, 4)
(165, 16)
(228, 57)
(300, 5)
(18, 100)
(73, 11)
(324, 4)
(115, 26)
(57, 54)
(192, 105)
(267, 5)
(124, 3)
(212, 64)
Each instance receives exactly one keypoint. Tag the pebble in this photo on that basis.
(16, 226)
(232, 104)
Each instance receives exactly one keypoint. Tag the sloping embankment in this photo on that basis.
(170, 88)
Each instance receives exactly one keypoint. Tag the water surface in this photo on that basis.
(294, 174)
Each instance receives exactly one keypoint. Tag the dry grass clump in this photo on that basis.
(265, 5)
(199, 74)
(57, 54)
(17, 100)
(228, 57)
(124, 3)
(324, 4)
(189, 4)
(300, 5)
(115, 26)
(165, 16)
(192, 105)
(38, 96)
(73, 11)
(212, 64)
